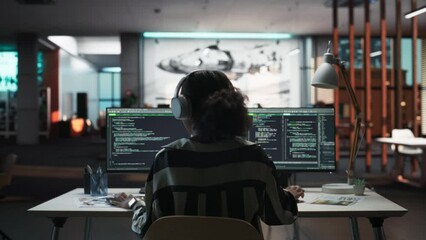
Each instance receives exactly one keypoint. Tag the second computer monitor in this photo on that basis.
(296, 139)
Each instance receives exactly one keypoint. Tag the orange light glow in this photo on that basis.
(54, 116)
(77, 126)
(402, 179)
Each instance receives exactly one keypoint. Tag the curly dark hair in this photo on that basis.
(218, 109)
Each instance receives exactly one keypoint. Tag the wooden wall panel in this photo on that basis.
(367, 78)
(397, 67)
(415, 97)
(384, 84)
(336, 92)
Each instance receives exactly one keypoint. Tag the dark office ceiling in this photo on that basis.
(110, 17)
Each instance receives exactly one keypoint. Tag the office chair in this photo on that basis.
(6, 164)
(201, 228)
(414, 153)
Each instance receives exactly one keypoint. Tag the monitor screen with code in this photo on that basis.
(135, 135)
(295, 139)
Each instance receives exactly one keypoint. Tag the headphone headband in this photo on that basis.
(179, 86)
(180, 105)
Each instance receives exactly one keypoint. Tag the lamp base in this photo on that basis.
(338, 188)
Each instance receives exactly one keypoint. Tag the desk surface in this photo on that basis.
(373, 205)
(412, 142)
(65, 206)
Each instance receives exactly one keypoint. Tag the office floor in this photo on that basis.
(51, 168)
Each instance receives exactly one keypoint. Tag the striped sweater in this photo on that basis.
(232, 178)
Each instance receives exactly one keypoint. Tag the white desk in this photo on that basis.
(60, 208)
(374, 207)
(412, 142)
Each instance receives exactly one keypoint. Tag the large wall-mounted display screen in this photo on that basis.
(267, 71)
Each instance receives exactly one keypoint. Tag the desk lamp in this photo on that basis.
(326, 77)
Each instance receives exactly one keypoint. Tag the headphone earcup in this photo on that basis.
(181, 107)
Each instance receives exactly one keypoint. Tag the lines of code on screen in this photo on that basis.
(136, 135)
(296, 139)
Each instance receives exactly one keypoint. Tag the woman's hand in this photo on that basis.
(296, 191)
(121, 200)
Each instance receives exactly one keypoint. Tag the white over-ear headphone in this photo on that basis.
(181, 106)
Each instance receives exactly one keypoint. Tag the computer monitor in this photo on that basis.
(296, 139)
(135, 135)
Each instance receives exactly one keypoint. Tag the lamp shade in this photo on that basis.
(325, 76)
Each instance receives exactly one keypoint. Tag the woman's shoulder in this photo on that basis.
(224, 145)
(177, 144)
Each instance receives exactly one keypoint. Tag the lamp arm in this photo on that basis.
(349, 87)
(354, 147)
(354, 150)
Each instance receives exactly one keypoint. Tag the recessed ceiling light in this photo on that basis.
(216, 35)
(415, 12)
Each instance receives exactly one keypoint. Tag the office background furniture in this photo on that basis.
(374, 207)
(413, 153)
(396, 173)
(200, 227)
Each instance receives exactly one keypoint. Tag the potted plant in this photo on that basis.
(359, 186)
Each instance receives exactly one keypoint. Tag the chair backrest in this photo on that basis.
(405, 134)
(6, 165)
(201, 228)
(402, 133)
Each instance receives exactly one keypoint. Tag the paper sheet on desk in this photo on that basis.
(92, 202)
(342, 200)
(100, 202)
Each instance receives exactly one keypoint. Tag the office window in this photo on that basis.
(375, 54)
(109, 90)
(407, 60)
